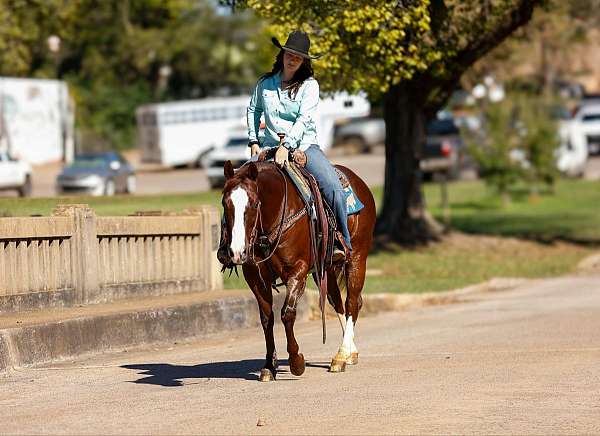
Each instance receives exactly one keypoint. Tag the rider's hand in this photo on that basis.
(281, 156)
(254, 149)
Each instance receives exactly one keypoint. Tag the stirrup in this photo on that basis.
(341, 253)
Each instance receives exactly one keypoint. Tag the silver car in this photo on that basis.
(103, 173)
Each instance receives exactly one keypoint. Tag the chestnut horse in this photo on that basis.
(257, 200)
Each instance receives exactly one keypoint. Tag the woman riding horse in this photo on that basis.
(260, 202)
(288, 97)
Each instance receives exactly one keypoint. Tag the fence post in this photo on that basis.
(210, 228)
(214, 229)
(84, 250)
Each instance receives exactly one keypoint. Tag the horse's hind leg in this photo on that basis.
(295, 288)
(334, 295)
(348, 353)
(264, 298)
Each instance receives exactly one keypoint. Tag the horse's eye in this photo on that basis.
(255, 205)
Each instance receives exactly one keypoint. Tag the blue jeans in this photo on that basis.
(329, 183)
(331, 188)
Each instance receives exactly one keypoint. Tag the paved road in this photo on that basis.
(151, 180)
(523, 361)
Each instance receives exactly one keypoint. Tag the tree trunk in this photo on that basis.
(403, 218)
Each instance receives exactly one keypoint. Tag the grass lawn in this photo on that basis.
(118, 205)
(572, 214)
(486, 249)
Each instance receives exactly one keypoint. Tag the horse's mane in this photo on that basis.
(241, 173)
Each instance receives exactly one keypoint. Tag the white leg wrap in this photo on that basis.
(348, 342)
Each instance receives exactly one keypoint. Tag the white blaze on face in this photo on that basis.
(239, 198)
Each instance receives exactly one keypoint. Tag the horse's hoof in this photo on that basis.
(297, 366)
(266, 375)
(353, 359)
(337, 366)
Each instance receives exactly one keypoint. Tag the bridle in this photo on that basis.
(257, 237)
(254, 236)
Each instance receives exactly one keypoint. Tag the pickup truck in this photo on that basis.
(442, 152)
(15, 174)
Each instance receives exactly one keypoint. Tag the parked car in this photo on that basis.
(103, 173)
(15, 174)
(443, 150)
(236, 150)
(361, 134)
(586, 125)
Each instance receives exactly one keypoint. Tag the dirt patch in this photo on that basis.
(459, 240)
(590, 263)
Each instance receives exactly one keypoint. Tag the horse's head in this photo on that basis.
(241, 210)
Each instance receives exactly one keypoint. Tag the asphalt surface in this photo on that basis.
(154, 180)
(523, 361)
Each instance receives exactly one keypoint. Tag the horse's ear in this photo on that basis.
(252, 171)
(228, 170)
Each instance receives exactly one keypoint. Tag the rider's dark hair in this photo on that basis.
(304, 72)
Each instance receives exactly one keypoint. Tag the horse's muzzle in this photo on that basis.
(239, 258)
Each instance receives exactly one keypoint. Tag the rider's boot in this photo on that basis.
(341, 253)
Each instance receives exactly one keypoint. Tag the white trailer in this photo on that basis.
(36, 120)
(182, 133)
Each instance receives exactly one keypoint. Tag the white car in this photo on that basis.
(15, 174)
(586, 127)
(362, 134)
(236, 150)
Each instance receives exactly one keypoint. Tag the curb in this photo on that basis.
(387, 302)
(57, 340)
(63, 339)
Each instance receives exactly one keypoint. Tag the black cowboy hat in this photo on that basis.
(297, 43)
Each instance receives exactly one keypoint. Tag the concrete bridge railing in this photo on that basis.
(75, 257)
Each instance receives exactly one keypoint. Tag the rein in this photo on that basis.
(254, 235)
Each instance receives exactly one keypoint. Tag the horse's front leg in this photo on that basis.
(264, 298)
(295, 288)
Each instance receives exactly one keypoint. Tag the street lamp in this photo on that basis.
(54, 43)
(164, 72)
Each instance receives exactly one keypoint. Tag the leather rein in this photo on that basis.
(254, 236)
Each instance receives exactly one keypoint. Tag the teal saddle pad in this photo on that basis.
(353, 203)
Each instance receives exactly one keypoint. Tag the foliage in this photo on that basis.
(539, 142)
(518, 142)
(493, 145)
(366, 45)
(545, 50)
(117, 54)
(373, 45)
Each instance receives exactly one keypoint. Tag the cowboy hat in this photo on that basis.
(297, 43)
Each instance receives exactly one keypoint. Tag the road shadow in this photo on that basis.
(165, 374)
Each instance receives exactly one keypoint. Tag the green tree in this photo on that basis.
(548, 48)
(118, 54)
(492, 148)
(539, 141)
(409, 53)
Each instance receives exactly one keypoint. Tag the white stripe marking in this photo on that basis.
(239, 197)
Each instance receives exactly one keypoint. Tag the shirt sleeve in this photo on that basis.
(254, 112)
(306, 114)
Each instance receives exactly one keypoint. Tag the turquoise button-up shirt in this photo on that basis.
(293, 116)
